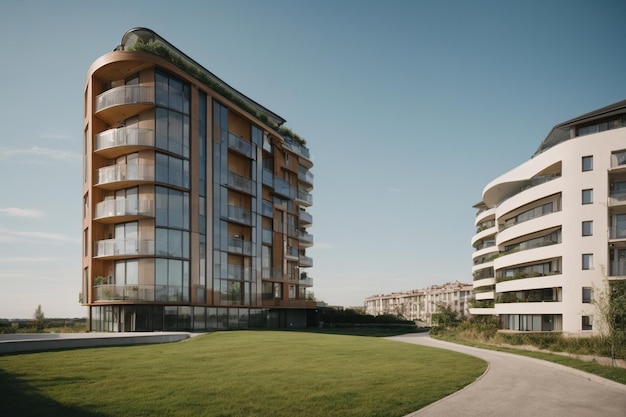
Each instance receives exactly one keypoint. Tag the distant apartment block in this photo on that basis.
(551, 229)
(195, 199)
(420, 305)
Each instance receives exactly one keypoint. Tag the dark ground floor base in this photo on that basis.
(150, 318)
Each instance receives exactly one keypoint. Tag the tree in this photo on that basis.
(445, 316)
(38, 319)
(610, 303)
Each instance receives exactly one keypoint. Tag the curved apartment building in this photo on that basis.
(195, 199)
(550, 230)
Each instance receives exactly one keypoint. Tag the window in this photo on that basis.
(587, 322)
(588, 196)
(587, 261)
(587, 295)
(587, 163)
(588, 228)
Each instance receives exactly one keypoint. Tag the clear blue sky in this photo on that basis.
(409, 108)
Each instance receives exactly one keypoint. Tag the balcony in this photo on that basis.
(305, 281)
(116, 177)
(292, 253)
(306, 261)
(120, 103)
(275, 274)
(304, 198)
(617, 198)
(305, 176)
(305, 218)
(116, 142)
(123, 248)
(617, 233)
(617, 268)
(239, 215)
(135, 292)
(239, 246)
(268, 178)
(618, 161)
(283, 188)
(306, 239)
(123, 209)
(267, 235)
(240, 145)
(238, 272)
(240, 183)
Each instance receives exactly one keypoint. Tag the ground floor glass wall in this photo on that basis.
(532, 322)
(138, 318)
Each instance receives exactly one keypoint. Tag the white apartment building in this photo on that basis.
(550, 230)
(420, 305)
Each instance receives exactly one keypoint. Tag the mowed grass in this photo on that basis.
(239, 373)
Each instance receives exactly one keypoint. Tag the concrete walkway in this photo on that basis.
(520, 386)
(30, 342)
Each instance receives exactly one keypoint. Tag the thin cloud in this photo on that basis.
(22, 212)
(39, 152)
(8, 236)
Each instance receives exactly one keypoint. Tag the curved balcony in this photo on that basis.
(124, 140)
(123, 248)
(305, 218)
(120, 103)
(239, 246)
(485, 233)
(553, 185)
(306, 262)
(304, 198)
(305, 239)
(116, 177)
(537, 224)
(484, 215)
(123, 210)
(507, 260)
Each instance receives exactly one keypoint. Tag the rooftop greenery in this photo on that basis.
(157, 48)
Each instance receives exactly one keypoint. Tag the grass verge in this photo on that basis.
(608, 372)
(239, 373)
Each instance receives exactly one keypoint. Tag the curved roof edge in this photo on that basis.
(149, 37)
(561, 132)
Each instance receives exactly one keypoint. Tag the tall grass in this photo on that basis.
(241, 373)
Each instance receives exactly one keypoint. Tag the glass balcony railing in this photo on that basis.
(305, 217)
(617, 268)
(618, 159)
(123, 247)
(268, 235)
(239, 214)
(239, 273)
(305, 175)
(120, 207)
(135, 292)
(305, 197)
(617, 197)
(241, 246)
(306, 261)
(617, 232)
(305, 237)
(126, 94)
(283, 188)
(125, 172)
(240, 145)
(124, 136)
(239, 182)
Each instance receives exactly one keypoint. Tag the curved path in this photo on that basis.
(522, 386)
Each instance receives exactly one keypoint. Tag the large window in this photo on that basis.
(172, 131)
(172, 170)
(171, 280)
(172, 208)
(127, 272)
(171, 92)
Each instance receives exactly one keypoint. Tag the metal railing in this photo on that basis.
(124, 136)
(125, 172)
(126, 94)
(124, 207)
(123, 247)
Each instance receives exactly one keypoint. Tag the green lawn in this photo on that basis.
(239, 373)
